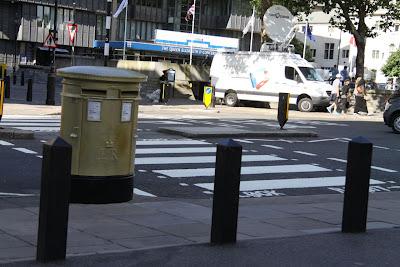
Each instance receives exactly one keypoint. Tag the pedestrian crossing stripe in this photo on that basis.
(296, 183)
(200, 159)
(207, 172)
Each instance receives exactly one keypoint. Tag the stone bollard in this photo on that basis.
(226, 192)
(355, 206)
(54, 201)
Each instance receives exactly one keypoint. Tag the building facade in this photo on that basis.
(25, 24)
(335, 47)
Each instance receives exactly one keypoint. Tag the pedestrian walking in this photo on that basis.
(360, 106)
(345, 74)
(334, 94)
(344, 97)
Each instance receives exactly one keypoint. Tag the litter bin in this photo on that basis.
(99, 119)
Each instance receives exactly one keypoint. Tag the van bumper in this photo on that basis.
(321, 101)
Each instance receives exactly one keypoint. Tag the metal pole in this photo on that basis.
(252, 29)
(305, 39)
(73, 41)
(340, 42)
(108, 27)
(51, 78)
(191, 41)
(126, 23)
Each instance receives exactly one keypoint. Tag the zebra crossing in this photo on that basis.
(51, 123)
(189, 165)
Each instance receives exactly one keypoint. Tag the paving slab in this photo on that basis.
(212, 132)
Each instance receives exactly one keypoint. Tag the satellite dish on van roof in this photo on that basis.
(279, 23)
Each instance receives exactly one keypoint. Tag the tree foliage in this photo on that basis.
(392, 66)
(348, 15)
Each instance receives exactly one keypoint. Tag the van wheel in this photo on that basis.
(231, 100)
(305, 105)
(396, 123)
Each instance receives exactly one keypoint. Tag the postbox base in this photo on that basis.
(101, 190)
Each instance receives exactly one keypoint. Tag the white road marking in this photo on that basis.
(274, 147)
(323, 140)
(372, 167)
(183, 184)
(141, 170)
(4, 143)
(142, 193)
(204, 172)
(243, 141)
(288, 183)
(40, 157)
(15, 195)
(169, 142)
(24, 150)
(176, 150)
(382, 147)
(305, 153)
(200, 159)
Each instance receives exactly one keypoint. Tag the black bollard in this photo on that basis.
(355, 206)
(226, 192)
(51, 88)
(54, 201)
(29, 91)
(7, 87)
(14, 76)
(283, 109)
(22, 78)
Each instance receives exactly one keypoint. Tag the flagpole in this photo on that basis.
(305, 39)
(126, 23)
(253, 18)
(191, 41)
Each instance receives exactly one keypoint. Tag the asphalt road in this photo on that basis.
(173, 166)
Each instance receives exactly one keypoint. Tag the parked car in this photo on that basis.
(391, 115)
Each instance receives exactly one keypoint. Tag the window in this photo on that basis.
(375, 54)
(311, 74)
(329, 50)
(396, 27)
(345, 53)
(39, 15)
(100, 27)
(291, 74)
(313, 52)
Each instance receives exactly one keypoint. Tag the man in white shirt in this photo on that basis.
(335, 93)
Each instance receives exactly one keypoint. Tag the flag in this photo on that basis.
(309, 33)
(249, 24)
(121, 7)
(190, 12)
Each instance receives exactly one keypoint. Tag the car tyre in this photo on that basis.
(305, 105)
(396, 123)
(231, 99)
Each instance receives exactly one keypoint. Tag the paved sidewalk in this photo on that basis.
(148, 223)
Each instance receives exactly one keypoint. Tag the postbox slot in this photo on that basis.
(129, 94)
(94, 92)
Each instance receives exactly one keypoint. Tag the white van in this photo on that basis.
(261, 76)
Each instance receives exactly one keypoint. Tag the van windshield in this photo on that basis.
(311, 74)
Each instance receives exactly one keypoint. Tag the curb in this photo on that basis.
(182, 131)
(11, 133)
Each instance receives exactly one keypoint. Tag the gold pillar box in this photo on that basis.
(99, 119)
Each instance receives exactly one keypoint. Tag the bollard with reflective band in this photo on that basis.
(22, 78)
(283, 109)
(208, 96)
(1, 98)
(7, 87)
(358, 173)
